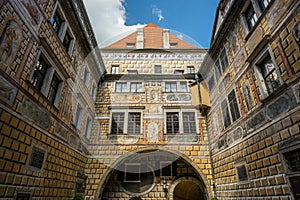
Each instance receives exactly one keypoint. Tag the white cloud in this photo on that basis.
(108, 19)
(158, 12)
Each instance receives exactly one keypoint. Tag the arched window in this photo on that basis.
(248, 97)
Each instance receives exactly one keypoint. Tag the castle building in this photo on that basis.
(152, 141)
(48, 82)
(252, 72)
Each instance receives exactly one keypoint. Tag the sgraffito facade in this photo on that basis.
(152, 142)
(42, 84)
(252, 72)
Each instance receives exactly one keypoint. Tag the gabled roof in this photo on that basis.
(153, 38)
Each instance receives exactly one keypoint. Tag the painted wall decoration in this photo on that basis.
(33, 11)
(297, 33)
(10, 40)
(7, 91)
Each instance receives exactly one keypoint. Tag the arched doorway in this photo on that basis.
(188, 190)
(139, 174)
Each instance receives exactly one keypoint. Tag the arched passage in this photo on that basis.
(151, 163)
(186, 188)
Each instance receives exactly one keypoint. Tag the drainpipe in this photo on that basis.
(208, 135)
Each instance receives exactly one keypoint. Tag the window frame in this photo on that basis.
(190, 69)
(78, 116)
(171, 86)
(126, 113)
(122, 88)
(258, 74)
(220, 68)
(227, 112)
(52, 70)
(115, 69)
(237, 166)
(136, 89)
(157, 71)
(29, 159)
(88, 127)
(180, 120)
(64, 28)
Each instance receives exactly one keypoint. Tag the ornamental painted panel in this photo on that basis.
(33, 112)
(179, 97)
(33, 11)
(7, 91)
(10, 41)
(296, 32)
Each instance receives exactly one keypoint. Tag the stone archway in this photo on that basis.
(187, 188)
(200, 178)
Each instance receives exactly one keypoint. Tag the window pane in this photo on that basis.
(250, 16)
(117, 123)
(53, 88)
(56, 22)
(115, 69)
(39, 73)
(189, 122)
(224, 60)
(263, 4)
(157, 69)
(191, 69)
(78, 116)
(171, 87)
(234, 108)
(248, 97)
(242, 173)
(121, 87)
(218, 69)
(134, 123)
(225, 113)
(67, 41)
(269, 74)
(136, 87)
(172, 123)
(183, 87)
(132, 172)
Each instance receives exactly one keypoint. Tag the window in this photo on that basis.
(173, 123)
(189, 122)
(135, 87)
(190, 69)
(61, 28)
(263, 4)
(170, 87)
(183, 87)
(230, 109)
(234, 44)
(67, 41)
(117, 124)
(248, 97)
(242, 173)
(121, 87)
(180, 121)
(157, 69)
(88, 127)
(94, 91)
(250, 17)
(54, 87)
(46, 79)
(224, 60)
(234, 108)
(132, 71)
(23, 195)
(37, 157)
(86, 77)
(39, 73)
(114, 69)
(178, 71)
(134, 123)
(126, 122)
(292, 159)
(173, 44)
(132, 172)
(221, 64)
(130, 45)
(57, 21)
(269, 74)
(78, 116)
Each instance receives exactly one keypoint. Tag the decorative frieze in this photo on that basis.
(7, 91)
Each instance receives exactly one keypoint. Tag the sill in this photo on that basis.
(274, 94)
(263, 14)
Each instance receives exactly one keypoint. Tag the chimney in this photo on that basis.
(140, 38)
(166, 38)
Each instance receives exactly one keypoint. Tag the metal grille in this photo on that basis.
(293, 160)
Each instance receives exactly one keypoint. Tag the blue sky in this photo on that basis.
(114, 19)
